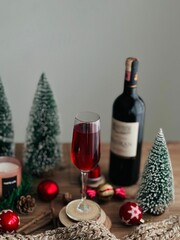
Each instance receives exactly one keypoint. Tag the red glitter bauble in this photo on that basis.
(130, 213)
(48, 190)
(9, 221)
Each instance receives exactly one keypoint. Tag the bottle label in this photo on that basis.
(124, 137)
(8, 184)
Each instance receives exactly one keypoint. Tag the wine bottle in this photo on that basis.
(127, 130)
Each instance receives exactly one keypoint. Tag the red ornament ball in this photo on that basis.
(9, 221)
(130, 213)
(47, 190)
(95, 173)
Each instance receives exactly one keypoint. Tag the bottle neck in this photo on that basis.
(130, 90)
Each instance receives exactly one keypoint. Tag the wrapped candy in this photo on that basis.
(105, 192)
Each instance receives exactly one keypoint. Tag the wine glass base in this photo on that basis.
(93, 213)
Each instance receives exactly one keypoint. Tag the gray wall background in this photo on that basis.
(82, 45)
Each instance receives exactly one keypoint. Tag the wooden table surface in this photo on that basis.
(68, 181)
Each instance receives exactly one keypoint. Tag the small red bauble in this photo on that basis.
(130, 213)
(9, 221)
(48, 190)
(95, 173)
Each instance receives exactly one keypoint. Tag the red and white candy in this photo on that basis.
(105, 192)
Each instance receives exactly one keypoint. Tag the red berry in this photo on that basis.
(130, 213)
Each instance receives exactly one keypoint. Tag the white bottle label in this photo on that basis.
(124, 137)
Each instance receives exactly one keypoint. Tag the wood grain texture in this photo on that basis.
(68, 181)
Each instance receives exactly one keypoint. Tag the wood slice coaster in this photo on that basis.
(108, 223)
(67, 222)
(93, 213)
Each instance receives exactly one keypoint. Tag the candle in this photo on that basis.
(10, 175)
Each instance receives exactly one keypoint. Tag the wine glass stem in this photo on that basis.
(83, 206)
(84, 177)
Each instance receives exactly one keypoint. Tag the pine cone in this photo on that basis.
(26, 204)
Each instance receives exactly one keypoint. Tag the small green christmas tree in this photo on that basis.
(42, 149)
(156, 189)
(6, 126)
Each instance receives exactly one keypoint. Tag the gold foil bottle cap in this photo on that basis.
(131, 72)
(129, 62)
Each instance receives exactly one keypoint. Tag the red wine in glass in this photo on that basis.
(85, 152)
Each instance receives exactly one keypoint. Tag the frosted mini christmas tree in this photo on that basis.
(42, 149)
(6, 126)
(156, 189)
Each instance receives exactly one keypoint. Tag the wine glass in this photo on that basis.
(85, 155)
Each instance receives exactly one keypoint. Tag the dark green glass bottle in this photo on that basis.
(127, 130)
